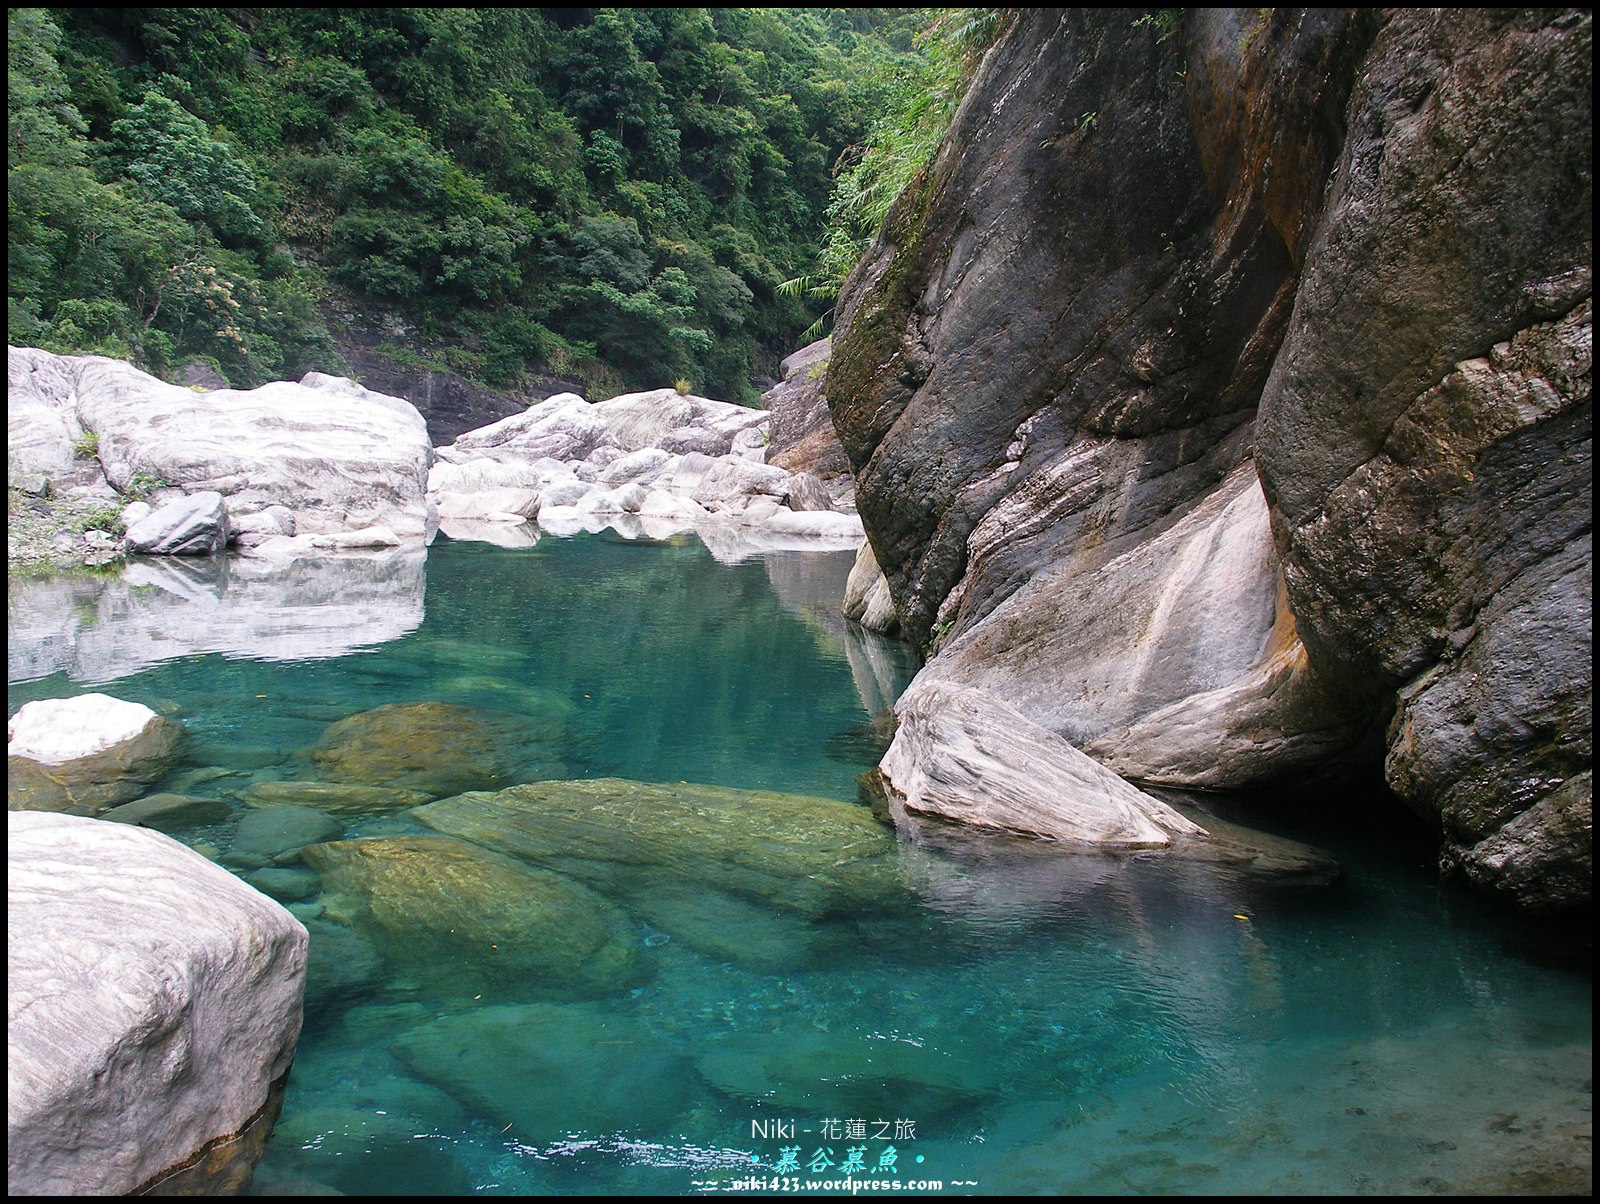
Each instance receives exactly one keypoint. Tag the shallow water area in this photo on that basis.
(719, 1007)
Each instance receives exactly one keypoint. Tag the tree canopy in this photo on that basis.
(611, 194)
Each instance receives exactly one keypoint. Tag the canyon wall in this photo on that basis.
(1219, 399)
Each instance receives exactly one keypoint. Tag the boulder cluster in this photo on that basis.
(327, 466)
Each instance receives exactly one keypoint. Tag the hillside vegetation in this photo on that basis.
(615, 195)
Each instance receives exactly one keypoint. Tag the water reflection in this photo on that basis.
(99, 629)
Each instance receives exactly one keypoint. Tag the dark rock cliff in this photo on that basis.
(1221, 401)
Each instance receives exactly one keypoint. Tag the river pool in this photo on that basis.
(973, 1014)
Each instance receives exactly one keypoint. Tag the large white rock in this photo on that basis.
(825, 525)
(564, 427)
(733, 483)
(195, 525)
(470, 476)
(339, 456)
(42, 424)
(676, 422)
(964, 754)
(85, 754)
(56, 730)
(152, 1001)
(642, 466)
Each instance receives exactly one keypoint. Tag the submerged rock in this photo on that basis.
(340, 964)
(169, 812)
(279, 833)
(798, 853)
(475, 922)
(541, 1072)
(727, 928)
(334, 798)
(83, 755)
(438, 748)
(845, 1074)
(153, 1001)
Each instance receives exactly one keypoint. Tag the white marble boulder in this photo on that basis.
(677, 422)
(86, 754)
(563, 427)
(194, 525)
(339, 458)
(648, 465)
(963, 754)
(153, 1002)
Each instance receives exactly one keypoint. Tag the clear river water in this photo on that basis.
(966, 1014)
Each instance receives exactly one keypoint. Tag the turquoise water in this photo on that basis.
(985, 1013)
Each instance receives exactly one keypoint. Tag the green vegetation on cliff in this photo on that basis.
(615, 194)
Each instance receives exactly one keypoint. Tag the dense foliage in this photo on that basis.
(611, 194)
(921, 95)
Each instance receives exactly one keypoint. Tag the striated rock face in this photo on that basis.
(802, 434)
(1426, 434)
(153, 1003)
(962, 753)
(336, 456)
(1208, 435)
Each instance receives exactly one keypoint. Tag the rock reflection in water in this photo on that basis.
(97, 630)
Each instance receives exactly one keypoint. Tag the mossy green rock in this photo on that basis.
(335, 798)
(809, 855)
(439, 748)
(471, 922)
(543, 1071)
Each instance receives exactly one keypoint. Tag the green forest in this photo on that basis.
(622, 197)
